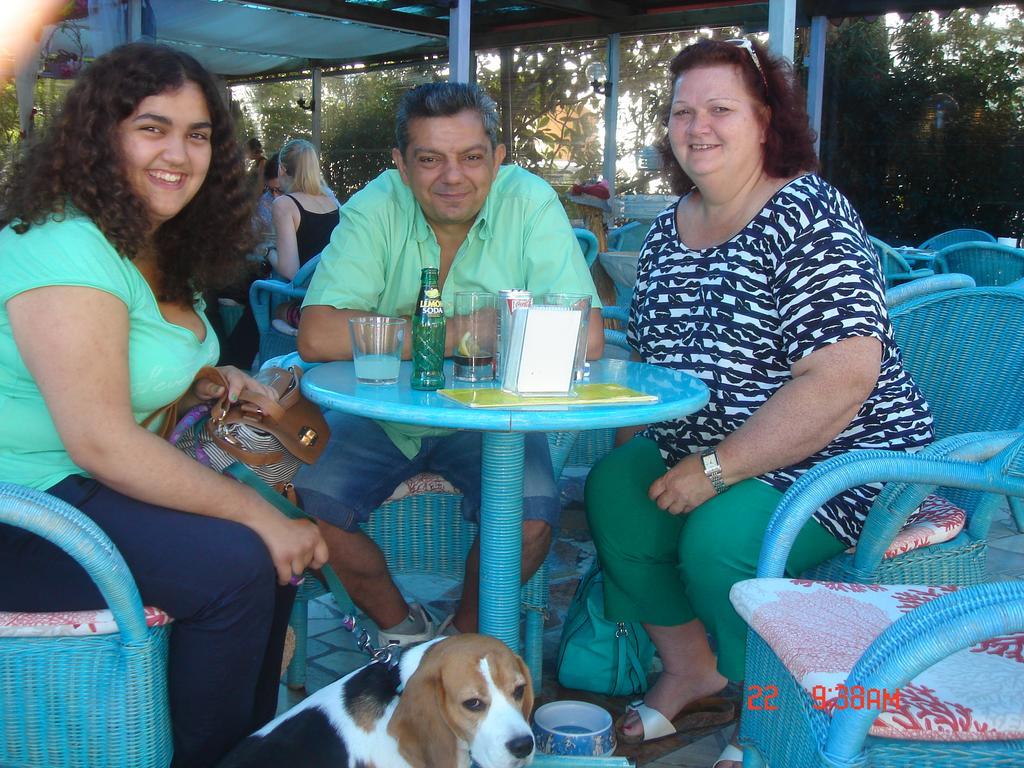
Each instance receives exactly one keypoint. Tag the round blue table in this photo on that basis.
(334, 385)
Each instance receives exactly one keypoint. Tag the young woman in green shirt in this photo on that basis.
(133, 202)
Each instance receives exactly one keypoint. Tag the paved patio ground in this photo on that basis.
(332, 652)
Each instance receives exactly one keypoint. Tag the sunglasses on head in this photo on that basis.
(749, 48)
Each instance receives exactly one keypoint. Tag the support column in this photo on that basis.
(816, 77)
(507, 79)
(134, 31)
(317, 106)
(501, 535)
(782, 27)
(611, 112)
(458, 41)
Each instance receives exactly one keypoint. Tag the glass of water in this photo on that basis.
(377, 348)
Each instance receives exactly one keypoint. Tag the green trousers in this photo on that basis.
(668, 569)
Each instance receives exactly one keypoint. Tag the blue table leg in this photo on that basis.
(501, 537)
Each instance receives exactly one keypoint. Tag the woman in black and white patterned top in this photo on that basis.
(760, 281)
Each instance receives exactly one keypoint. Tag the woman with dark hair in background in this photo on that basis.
(762, 282)
(257, 163)
(264, 206)
(133, 202)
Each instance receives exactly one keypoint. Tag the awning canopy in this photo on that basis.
(240, 39)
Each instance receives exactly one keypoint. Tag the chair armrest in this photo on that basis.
(615, 312)
(914, 643)
(261, 293)
(916, 257)
(924, 286)
(287, 361)
(61, 524)
(305, 273)
(616, 339)
(1000, 474)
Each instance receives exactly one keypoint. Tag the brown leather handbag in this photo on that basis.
(272, 438)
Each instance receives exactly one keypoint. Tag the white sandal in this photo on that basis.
(403, 640)
(730, 753)
(655, 724)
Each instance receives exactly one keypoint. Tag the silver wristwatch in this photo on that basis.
(713, 470)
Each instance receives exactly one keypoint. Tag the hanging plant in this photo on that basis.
(74, 9)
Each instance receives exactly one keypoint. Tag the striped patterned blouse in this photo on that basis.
(801, 274)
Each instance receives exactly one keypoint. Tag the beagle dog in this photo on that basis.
(448, 700)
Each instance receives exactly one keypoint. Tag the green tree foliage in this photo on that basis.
(268, 111)
(922, 124)
(359, 122)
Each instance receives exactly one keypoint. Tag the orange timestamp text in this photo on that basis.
(854, 697)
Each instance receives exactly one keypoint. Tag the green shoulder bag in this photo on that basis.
(599, 655)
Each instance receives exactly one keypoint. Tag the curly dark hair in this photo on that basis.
(789, 148)
(79, 161)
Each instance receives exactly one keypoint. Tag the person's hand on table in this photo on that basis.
(683, 488)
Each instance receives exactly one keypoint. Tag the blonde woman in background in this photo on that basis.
(306, 214)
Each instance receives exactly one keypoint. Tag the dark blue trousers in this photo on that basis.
(214, 577)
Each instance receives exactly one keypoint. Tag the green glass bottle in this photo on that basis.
(428, 334)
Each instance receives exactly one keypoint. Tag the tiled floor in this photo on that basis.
(333, 653)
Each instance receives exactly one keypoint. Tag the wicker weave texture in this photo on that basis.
(789, 735)
(94, 701)
(988, 263)
(958, 561)
(954, 236)
(795, 733)
(84, 702)
(965, 350)
(423, 533)
(591, 446)
(273, 344)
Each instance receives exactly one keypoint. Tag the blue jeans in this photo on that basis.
(361, 467)
(214, 577)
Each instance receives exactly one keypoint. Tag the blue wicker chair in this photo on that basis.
(901, 294)
(628, 237)
(425, 533)
(896, 267)
(839, 620)
(621, 269)
(965, 350)
(988, 263)
(953, 236)
(83, 701)
(966, 353)
(588, 244)
(264, 297)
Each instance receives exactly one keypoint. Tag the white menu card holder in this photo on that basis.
(541, 350)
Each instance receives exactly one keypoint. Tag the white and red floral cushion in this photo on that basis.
(819, 630)
(424, 482)
(935, 521)
(70, 623)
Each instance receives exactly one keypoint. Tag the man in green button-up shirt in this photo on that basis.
(452, 205)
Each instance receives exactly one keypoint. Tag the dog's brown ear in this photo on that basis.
(527, 703)
(425, 738)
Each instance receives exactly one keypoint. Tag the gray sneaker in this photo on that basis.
(401, 639)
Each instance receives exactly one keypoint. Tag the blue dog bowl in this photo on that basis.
(573, 728)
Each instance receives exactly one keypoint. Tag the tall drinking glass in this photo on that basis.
(580, 301)
(475, 323)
